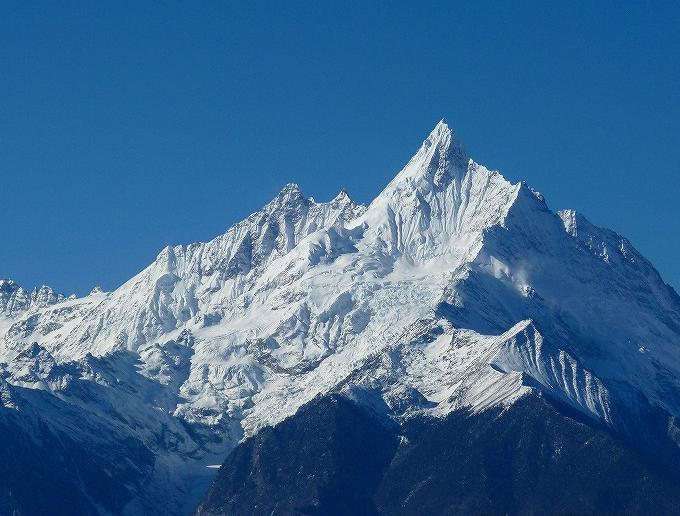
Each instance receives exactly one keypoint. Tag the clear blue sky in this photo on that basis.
(126, 127)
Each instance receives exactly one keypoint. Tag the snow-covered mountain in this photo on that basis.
(15, 299)
(453, 289)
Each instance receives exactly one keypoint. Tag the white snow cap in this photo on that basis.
(440, 159)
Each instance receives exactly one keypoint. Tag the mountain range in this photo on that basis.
(453, 347)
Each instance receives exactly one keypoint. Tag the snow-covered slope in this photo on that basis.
(453, 288)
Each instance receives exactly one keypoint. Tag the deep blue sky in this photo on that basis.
(126, 127)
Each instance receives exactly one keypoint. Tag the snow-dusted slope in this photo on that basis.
(453, 288)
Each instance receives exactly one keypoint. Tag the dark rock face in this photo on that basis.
(327, 459)
(37, 480)
(47, 467)
(336, 458)
(50, 473)
(530, 459)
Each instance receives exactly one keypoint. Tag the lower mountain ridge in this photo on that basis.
(335, 457)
